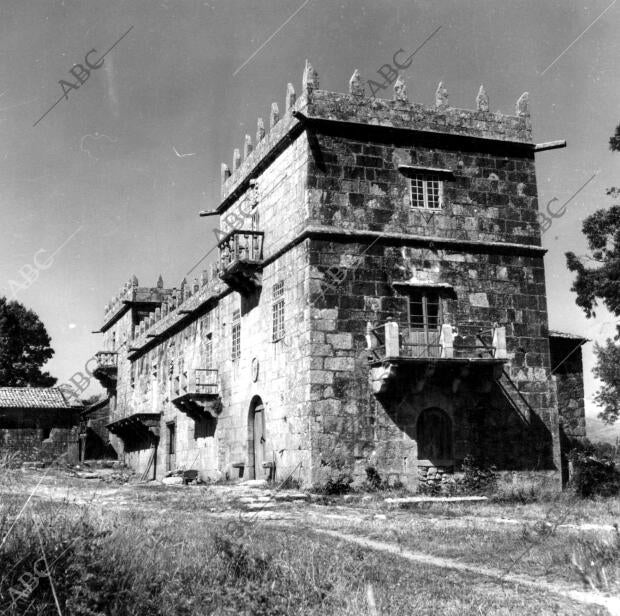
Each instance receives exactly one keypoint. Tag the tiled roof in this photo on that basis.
(556, 334)
(34, 398)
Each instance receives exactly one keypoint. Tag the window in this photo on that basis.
(278, 311)
(209, 351)
(236, 335)
(426, 192)
(424, 310)
(425, 319)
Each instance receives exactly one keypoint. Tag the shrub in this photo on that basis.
(334, 474)
(373, 481)
(476, 479)
(593, 474)
(433, 488)
(290, 484)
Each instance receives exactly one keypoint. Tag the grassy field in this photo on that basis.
(89, 547)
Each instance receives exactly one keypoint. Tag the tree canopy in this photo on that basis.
(24, 347)
(598, 280)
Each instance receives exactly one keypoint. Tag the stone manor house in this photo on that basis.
(378, 300)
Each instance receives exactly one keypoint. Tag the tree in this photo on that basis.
(599, 280)
(24, 347)
(91, 400)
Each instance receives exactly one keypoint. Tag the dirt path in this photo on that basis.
(612, 604)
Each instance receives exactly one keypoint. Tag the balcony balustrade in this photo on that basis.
(397, 351)
(241, 260)
(106, 369)
(196, 392)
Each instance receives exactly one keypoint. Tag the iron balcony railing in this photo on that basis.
(240, 245)
(399, 340)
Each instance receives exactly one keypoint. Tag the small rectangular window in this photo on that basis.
(236, 335)
(426, 192)
(278, 311)
(255, 221)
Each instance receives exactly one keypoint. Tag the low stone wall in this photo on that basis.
(32, 444)
(508, 482)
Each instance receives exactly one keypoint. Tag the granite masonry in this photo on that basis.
(379, 301)
(38, 423)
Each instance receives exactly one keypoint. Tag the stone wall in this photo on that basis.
(147, 366)
(489, 205)
(566, 357)
(40, 443)
(332, 193)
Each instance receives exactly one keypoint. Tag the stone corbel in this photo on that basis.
(429, 371)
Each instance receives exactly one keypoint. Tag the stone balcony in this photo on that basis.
(197, 393)
(241, 260)
(396, 352)
(106, 369)
(136, 427)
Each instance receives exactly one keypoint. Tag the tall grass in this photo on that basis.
(133, 566)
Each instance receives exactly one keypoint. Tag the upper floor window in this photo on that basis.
(425, 310)
(422, 336)
(209, 351)
(236, 335)
(278, 311)
(426, 192)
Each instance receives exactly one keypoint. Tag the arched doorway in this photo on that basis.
(434, 437)
(256, 438)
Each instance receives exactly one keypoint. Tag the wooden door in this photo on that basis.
(259, 440)
(434, 437)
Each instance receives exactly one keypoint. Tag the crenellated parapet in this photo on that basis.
(131, 294)
(118, 302)
(357, 107)
(183, 302)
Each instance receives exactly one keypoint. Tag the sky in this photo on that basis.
(110, 182)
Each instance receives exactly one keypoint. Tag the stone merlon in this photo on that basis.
(355, 108)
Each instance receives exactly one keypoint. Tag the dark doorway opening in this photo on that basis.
(434, 436)
(172, 446)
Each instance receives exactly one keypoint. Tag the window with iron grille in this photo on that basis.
(209, 351)
(236, 335)
(278, 311)
(426, 192)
